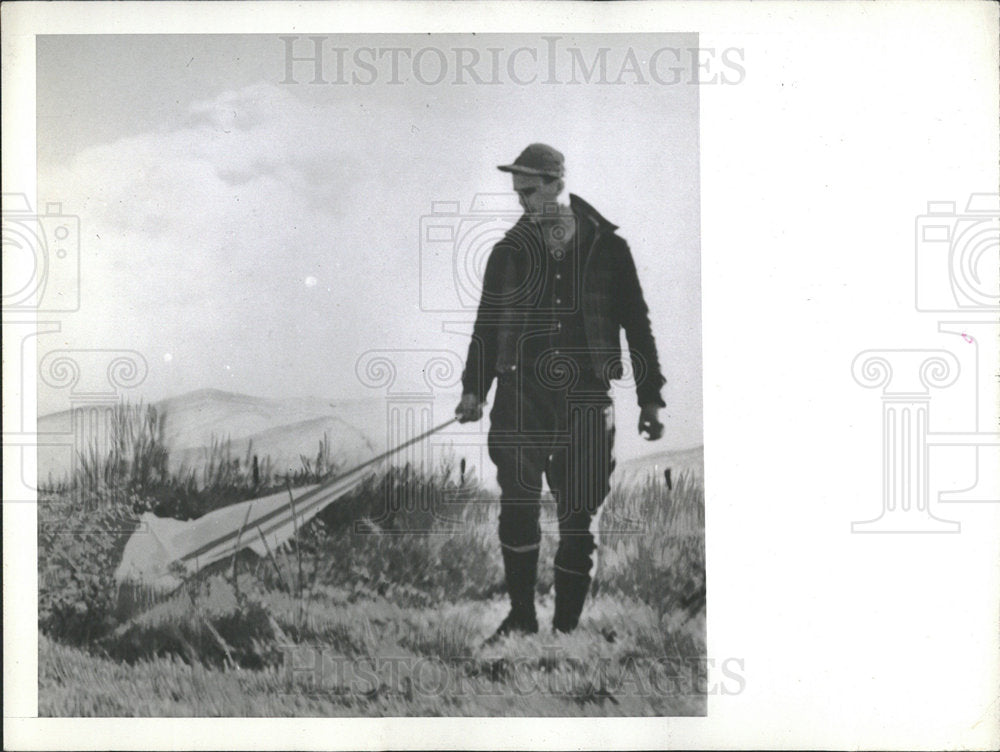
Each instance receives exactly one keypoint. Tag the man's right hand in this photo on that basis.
(469, 409)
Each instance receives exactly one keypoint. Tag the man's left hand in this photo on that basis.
(649, 422)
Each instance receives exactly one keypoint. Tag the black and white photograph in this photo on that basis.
(403, 414)
(480, 375)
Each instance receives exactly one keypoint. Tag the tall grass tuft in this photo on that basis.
(407, 562)
(133, 470)
(134, 462)
(666, 569)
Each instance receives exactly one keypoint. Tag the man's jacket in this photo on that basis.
(611, 299)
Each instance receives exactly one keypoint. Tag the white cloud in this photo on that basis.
(203, 235)
(197, 240)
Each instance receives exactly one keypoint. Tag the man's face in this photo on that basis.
(535, 194)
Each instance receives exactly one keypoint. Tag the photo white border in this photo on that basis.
(802, 687)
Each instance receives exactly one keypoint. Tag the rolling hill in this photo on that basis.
(286, 430)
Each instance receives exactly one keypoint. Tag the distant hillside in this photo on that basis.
(285, 430)
(690, 460)
(285, 445)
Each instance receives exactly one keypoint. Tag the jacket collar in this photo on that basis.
(593, 221)
(585, 210)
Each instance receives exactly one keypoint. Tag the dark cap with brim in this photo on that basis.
(537, 159)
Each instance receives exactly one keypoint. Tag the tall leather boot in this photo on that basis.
(520, 572)
(571, 592)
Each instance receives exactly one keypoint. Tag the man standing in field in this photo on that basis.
(557, 290)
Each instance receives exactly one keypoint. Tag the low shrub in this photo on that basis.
(78, 551)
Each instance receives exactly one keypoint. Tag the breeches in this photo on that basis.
(569, 438)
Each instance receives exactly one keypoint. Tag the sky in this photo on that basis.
(247, 229)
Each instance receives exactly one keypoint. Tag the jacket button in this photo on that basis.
(558, 301)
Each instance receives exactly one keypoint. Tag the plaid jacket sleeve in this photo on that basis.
(634, 317)
(480, 363)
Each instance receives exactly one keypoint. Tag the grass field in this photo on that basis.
(400, 583)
